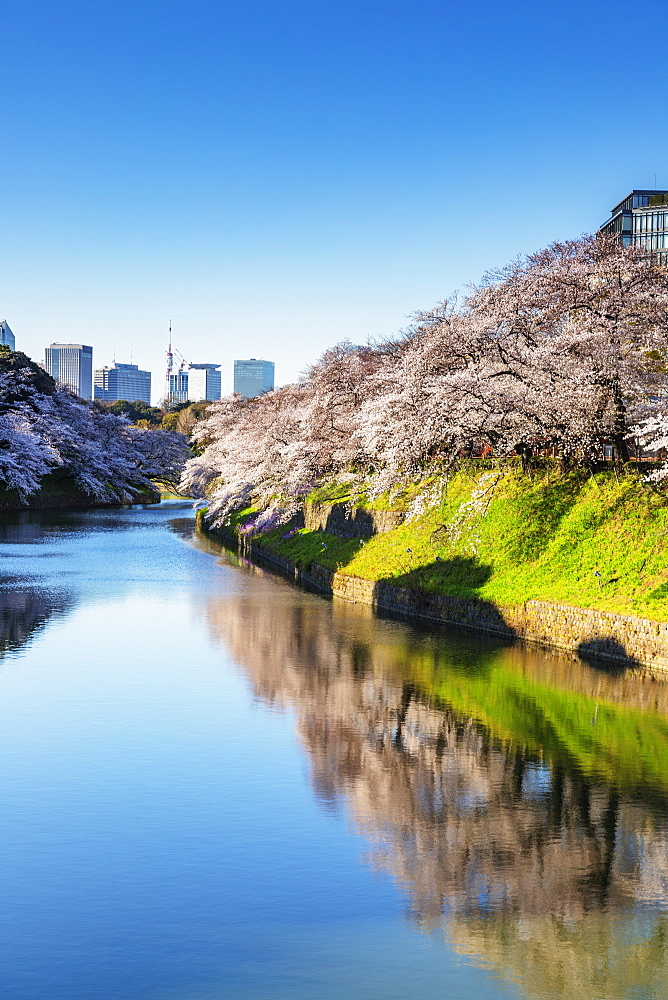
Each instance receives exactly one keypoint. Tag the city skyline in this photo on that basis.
(628, 216)
(209, 376)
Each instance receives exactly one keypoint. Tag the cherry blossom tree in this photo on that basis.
(572, 330)
(25, 454)
(274, 448)
(251, 452)
(560, 351)
(43, 428)
(651, 433)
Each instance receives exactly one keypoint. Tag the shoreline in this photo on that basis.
(70, 499)
(627, 640)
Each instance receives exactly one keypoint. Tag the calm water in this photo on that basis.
(213, 785)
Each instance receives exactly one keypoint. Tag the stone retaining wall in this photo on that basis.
(624, 639)
(338, 519)
(593, 634)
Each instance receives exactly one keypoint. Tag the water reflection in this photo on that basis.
(34, 594)
(39, 581)
(518, 796)
(24, 613)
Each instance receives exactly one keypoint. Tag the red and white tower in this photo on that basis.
(170, 368)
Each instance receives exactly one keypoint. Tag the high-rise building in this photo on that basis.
(71, 365)
(253, 377)
(203, 382)
(6, 335)
(641, 219)
(178, 387)
(122, 382)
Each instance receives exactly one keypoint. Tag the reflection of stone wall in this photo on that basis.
(561, 669)
(522, 861)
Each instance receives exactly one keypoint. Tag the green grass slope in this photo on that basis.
(507, 538)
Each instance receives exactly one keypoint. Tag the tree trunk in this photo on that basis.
(620, 429)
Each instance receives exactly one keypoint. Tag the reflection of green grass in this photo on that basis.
(626, 747)
(541, 539)
(565, 720)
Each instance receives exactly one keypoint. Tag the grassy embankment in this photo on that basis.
(507, 538)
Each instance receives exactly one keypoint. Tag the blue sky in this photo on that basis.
(277, 176)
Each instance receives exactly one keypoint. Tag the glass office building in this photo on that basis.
(642, 219)
(71, 365)
(122, 382)
(203, 383)
(6, 336)
(253, 377)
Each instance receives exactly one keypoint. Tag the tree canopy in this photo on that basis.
(44, 427)
(561, 352)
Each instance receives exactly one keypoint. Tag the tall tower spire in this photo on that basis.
(170, 366)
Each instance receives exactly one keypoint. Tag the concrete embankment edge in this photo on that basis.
(624, 639)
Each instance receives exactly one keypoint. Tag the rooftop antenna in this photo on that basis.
(170, 365)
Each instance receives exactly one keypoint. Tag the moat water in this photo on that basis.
(214, 785)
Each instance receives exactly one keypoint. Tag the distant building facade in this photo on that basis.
(203, 382)
(71, 365)
(6, 336)
(178, 387)
(253, 377)
(122, 382)
(641, 219)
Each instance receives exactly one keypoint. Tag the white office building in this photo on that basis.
(178, 387)
(203, 383)
(71, 365)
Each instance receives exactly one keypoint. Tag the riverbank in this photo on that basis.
(578, 562)
(59, 492)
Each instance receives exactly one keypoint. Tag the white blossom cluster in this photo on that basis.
(558, 354)
(103, 455)
(467, 517)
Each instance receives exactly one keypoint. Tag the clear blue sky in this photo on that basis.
(276, 176)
